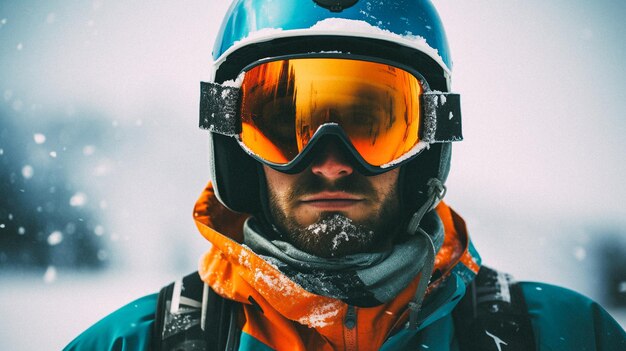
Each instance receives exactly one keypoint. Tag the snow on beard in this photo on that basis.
(335, 235)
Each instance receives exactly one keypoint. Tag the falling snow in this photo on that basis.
(39, 138)
(50, 276)
(28, 172)
(55, 238)
(78, 199)
(98, 230)
(580, 253)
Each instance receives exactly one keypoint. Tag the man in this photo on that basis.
(331, 125)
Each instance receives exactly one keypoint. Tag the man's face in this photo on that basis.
(331, 210)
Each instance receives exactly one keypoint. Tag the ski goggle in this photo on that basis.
(382, 114)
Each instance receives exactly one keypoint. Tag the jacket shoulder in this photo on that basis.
(563, 319)
(127, 329)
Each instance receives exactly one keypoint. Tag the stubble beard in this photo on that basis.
(334, 234)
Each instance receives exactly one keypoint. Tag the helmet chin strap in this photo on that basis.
(436, 192)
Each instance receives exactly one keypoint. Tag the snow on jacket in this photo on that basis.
(291, 318)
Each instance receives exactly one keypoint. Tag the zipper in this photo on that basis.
(349, 332)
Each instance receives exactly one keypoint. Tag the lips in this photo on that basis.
(332, 200)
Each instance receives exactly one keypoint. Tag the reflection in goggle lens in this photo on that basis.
(285, 102)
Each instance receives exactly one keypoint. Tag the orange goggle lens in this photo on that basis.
(285, 102)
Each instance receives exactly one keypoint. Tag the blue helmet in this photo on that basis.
(407, 32)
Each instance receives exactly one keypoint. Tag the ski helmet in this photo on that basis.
(407, 33)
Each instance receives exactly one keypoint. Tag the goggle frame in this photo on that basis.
(329, 130)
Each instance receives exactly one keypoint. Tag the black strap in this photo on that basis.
(218, 108)
(183, 308)
(493, 315)
(221, 323)
(442, 117)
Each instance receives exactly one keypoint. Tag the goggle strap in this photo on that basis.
(219, 113)
(219, 108)
(441, 117)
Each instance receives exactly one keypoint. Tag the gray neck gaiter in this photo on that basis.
(363, 279)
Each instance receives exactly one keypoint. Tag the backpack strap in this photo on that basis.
(493, 315)
(191, 316)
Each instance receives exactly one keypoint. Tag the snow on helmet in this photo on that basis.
(406, 32)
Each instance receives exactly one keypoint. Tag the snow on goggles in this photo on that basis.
(383, 114)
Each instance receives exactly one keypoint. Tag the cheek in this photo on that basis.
(386, 184)
(278, 184)
(280, 189)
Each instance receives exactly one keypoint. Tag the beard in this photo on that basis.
(334, 234)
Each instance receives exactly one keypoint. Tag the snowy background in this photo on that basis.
(101, 158)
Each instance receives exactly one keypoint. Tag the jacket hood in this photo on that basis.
(273, 302)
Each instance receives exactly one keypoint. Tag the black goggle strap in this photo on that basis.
(441, 117)
(219, 106)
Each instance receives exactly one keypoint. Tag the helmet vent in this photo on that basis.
(336, 5)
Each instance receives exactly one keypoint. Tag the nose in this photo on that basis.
(331, 163)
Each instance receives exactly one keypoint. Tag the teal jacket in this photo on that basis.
(561, 320)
